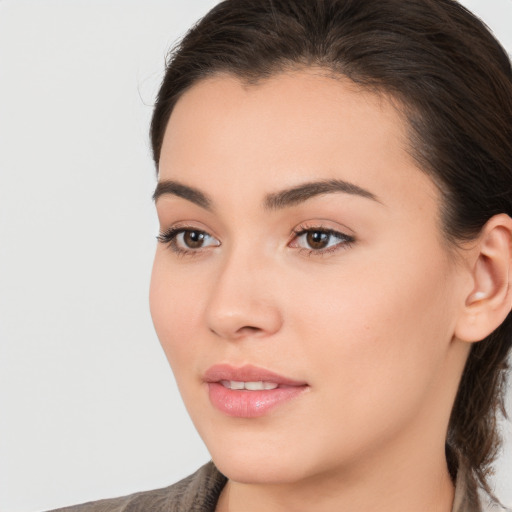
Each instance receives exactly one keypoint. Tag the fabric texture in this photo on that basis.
(200, 492)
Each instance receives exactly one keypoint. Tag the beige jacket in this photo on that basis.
(199, 493)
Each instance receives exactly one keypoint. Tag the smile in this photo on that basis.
(249, 386)
(249, 391)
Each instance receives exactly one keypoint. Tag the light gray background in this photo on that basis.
(88, 406)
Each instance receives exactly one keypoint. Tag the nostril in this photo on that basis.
(246, 330)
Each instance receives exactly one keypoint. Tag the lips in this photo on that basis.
(249, 391)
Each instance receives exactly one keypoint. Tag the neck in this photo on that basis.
(405, 486)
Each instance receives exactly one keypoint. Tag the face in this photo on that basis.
(301, 288)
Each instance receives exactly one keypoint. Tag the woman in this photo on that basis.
(332, 282)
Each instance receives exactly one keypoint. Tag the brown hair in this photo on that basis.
(453, 82)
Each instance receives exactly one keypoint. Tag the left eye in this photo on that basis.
(320, 239)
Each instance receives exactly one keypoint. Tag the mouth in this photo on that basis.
(249, 386)
(249, 391)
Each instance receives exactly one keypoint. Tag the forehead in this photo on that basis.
(306, 103)
(298, 126)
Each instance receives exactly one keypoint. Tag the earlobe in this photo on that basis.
(490, 300)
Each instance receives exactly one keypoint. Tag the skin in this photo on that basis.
(370, 326)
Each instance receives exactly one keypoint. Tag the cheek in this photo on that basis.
(377, 335)
(175, 304)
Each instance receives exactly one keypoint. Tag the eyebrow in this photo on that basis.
(274, 201)
(175, 188)
(301, 193)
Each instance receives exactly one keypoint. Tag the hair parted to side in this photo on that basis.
(453, 83)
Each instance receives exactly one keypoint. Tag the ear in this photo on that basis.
(490, 300)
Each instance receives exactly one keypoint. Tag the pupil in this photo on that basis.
(317, 239)
(194, 239)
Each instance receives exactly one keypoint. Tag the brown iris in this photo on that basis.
(317, 239)
(193, 239)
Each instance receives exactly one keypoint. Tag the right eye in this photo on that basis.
(187, 240)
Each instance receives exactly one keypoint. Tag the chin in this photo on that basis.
(270, 461)
(258, 470)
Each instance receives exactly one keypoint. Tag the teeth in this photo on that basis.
(250, 386)
(255, 386)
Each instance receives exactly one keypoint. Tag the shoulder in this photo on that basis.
(198, 492)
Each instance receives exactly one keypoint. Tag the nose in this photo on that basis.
(242, 302)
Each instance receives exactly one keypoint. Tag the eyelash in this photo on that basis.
(169, 237)
(345, 241)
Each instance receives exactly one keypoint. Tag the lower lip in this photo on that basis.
(250, 404)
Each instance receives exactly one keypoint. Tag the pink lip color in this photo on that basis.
(244, 403)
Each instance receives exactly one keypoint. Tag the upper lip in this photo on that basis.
(247, 373)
